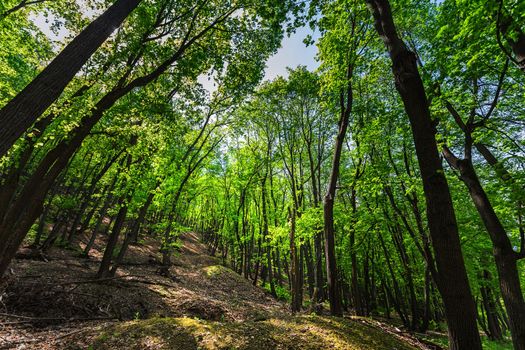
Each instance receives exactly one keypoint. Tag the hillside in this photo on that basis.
(56, 304)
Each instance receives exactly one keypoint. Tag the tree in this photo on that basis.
(199, 26)
(452, 277)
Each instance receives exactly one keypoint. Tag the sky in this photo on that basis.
(293, 52)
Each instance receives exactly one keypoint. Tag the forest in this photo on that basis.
(158, 192)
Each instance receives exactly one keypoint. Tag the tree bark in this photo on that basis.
(494, 331)
(334, 294)
(452, 281)
(506, 258)
(29, 104)
(294, 270)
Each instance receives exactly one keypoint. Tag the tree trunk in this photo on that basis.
(356, 292)
(334, 294)
(426, 312)
(265, 236)
(506, 258)
(494, 331)
(294, 266)
(102, 214)
(452, 281)
(105, 264)
(307, 252)
(142, 215)
(29, 104)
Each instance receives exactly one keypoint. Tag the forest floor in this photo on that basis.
(57, 304)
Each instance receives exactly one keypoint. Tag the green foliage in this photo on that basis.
(282, 293)
(237, 163)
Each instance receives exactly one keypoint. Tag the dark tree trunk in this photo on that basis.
(142, 215)
(452, 280)
(493, 330)
(277, 264)
(122, 252)
(334, 294)
(165, 247)
(356, 292)
(265, 235)
(307, 251)
(44, 215)
(506, 258)
(257, 263)
(105, 264)
(294, 270)
(102, 214)
(319, 276)
(396, 297)
(53, 235)
(26, 107)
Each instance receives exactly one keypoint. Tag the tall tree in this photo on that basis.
(452, 279)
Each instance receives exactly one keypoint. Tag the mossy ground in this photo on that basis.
(301, 332)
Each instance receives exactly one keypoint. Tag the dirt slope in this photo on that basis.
(56, 305)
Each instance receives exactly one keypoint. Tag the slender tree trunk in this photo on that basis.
(309, 268)
(55, 232)
(122, 252)
(101, 216)
(257, 263)
(356, 292)
(105, 264)
(265, 236)
(334, 294)
(396, 297)
(294, 266)
(141, 217)
(452, 281)
(494, 331)
(426, 312)
(277, 258)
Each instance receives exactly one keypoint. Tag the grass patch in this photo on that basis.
(303, 332)
(215, 270)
